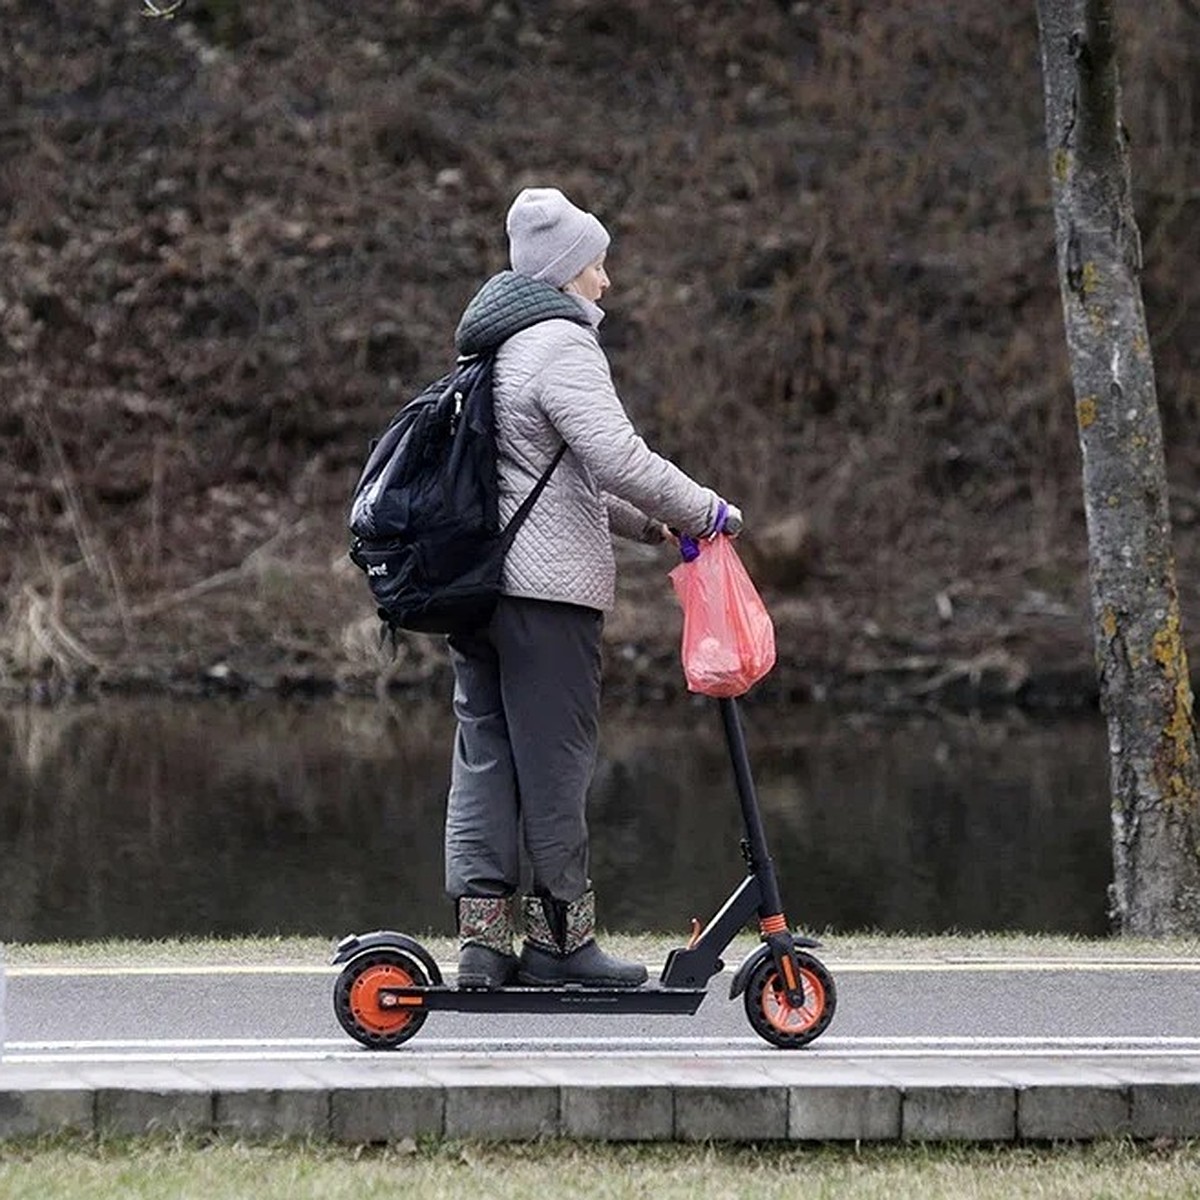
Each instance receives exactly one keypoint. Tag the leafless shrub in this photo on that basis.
(37, 642)
(832, 253)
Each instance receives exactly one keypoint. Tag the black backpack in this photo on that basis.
(425, 511)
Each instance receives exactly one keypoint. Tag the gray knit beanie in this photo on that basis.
(550, 239)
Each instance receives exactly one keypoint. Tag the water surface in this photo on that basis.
(161, 818)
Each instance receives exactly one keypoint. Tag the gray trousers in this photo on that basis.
(527, 699)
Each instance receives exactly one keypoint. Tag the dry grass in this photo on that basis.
(648, 947)
(237, 239)
(152, 1169)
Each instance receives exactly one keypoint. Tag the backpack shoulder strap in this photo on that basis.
(518, 518)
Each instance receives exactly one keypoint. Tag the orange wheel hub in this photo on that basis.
(790, 1018)
(365, 1004)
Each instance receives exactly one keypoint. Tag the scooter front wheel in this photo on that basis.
(775, 1018)
(356, 1000)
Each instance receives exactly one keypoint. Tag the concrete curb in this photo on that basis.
(792, 1097)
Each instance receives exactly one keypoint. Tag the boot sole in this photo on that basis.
(476, 980)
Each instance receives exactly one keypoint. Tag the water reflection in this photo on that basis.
(156, 819)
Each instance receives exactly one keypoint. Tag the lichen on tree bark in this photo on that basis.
(1141, 658)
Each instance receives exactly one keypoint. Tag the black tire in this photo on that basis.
(777, 1021)
(354, 994)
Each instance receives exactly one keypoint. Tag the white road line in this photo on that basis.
(601, 1043)
(58, 971)
(1010, 965)
(416, 1055)
(159, 1043)
(312, 1049)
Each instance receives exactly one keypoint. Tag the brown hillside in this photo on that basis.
(235, 240)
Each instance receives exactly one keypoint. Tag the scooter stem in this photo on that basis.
(771, 921)
(760, 862)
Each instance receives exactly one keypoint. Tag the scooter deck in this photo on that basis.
(646, 999)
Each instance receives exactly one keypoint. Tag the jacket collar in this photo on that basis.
(592, 311)
(508, 303)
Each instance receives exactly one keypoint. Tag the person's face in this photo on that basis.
(592, 282)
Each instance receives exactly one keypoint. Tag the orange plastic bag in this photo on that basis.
(728, 636)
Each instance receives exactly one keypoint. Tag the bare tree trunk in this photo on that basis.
(1141, 659)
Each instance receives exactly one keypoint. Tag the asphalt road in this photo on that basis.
(283, 1013)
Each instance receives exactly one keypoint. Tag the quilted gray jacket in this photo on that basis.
(552, 385)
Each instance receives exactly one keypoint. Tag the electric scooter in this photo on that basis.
(390, 983)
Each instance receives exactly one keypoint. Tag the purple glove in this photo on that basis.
(728, 521)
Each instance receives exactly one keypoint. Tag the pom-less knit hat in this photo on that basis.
(550, 239)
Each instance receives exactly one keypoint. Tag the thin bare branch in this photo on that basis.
(163, 12)
(221, 579)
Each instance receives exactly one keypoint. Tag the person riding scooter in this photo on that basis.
(527, 686)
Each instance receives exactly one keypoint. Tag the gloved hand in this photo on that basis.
(728, 519)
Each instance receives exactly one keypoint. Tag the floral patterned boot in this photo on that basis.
(560, 947)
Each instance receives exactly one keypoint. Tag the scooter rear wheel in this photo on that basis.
(775, 1018)
(356, 1000)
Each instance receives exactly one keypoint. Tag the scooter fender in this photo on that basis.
(385, 939)
(742, 975)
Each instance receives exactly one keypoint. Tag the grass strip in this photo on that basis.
(648, 947)
(158, 1169)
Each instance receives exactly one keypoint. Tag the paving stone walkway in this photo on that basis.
(780, 1095)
